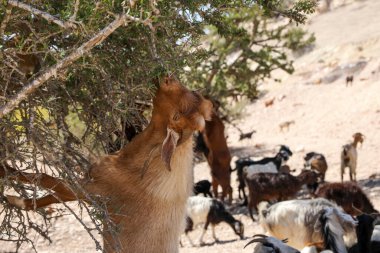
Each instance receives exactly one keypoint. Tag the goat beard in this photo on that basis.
(168, 147)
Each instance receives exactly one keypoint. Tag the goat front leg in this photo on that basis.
(245, 203)
(251, 205)
(341, 172)
(239, 190)
(352, 174)
(213, 233)
(189, 239)
(200, 240)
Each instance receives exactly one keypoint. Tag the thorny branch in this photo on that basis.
(45, 15)
(52, 71)
(6, 18)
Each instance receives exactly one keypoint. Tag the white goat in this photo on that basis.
(307, 221)
(349, 156)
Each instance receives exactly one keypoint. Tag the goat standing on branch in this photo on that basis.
(349, 156)
(147, 183)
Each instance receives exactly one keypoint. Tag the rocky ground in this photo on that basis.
(325, 113)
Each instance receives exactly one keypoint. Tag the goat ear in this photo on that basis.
(168, 147)
(376, 216)
(207, 109)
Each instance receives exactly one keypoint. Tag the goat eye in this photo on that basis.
(176, 116)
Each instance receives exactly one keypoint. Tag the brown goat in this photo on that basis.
(219, 156)
(348, 195)
(276, 186)
(146, 183)
(269, 102)
(316, 162)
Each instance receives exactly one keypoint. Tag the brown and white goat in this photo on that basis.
(218, 157)
(349, 156)
(317, 162)
(146, 183)
(348, 195)
(276, 186)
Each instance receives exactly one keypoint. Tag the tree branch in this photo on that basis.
(6, 19)
(45, 15)
(52, 71)
(76, 8)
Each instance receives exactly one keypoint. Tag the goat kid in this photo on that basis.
(210, 212)
(138, 181)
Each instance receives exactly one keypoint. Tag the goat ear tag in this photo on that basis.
(168, 147)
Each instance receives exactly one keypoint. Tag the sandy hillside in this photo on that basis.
(325, 112)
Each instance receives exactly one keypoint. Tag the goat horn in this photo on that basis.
(261, 240)
(260, 235)
(376, 216)
(200, 90)
(356, 209)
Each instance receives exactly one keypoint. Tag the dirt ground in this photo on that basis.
(325, 112)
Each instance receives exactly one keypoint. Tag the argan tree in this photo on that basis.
(76, 78)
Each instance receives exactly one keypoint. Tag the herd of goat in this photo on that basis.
(148, 182)
(324, 223)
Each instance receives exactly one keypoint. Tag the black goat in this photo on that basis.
(364, 232)
(204, 187)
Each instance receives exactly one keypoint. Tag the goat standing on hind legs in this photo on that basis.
(146, 183)
(218, 157)
(349, 156)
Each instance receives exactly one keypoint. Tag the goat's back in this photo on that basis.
(295, 220)
(347, 195)
(271, 182)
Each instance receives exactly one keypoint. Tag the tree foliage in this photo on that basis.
(82, 110)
